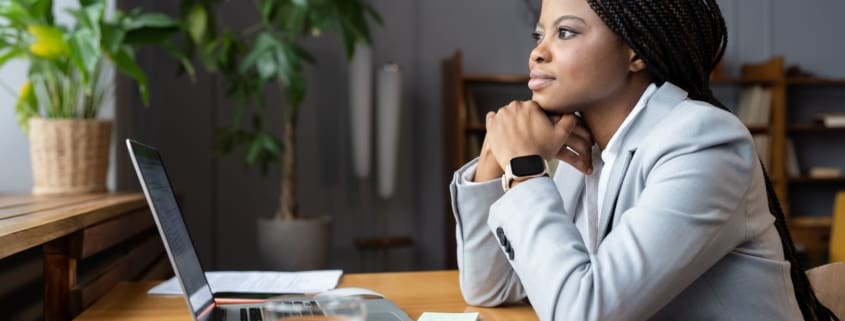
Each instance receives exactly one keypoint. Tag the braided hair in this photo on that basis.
(682, 41)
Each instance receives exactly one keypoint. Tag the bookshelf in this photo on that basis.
(807, 201)
(466, 99)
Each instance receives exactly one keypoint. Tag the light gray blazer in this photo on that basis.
(686, 232)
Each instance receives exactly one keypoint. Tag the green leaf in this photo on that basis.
(149, 35)
(253, 152)
(112, 38)
(266, 66)
(124, 60)
(11, 54)
(89, 17)
(268, 10)
(85, 54)
(183, 60)
(26, 107)
(18, 15)
(263, 44)
(43, 9)
(49, 41)
(149, 20)
(197, 22)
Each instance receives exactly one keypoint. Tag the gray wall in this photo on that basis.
(222, 199)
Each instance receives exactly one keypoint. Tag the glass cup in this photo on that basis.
(322, 308)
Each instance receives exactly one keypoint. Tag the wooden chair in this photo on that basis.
(837, 231)
(829, 284)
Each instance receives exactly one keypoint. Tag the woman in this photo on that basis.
(663, 211)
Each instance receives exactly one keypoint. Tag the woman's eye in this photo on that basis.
(564, 33)
(536, 36)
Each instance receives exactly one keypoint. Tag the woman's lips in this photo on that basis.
(539, 80)
(536, 84)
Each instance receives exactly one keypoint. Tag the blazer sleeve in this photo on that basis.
(486, 278)
(684, 222)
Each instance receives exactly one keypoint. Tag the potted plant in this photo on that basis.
(68, 83)
(267, 56)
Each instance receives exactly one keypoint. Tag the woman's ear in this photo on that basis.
(636, 64)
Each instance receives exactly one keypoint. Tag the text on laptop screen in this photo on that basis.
(175, 233)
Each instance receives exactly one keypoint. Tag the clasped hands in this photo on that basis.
(523, 128)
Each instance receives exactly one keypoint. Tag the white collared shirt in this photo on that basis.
(588, 215)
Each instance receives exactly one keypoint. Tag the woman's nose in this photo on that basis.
(539, 54)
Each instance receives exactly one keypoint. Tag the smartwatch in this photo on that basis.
(523, 168)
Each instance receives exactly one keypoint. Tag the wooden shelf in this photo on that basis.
(813, 128)
(476, 128)
(742, 81)
(816, 180)
(809, 81)
(758, 129)
(497, 79)
(810, 221)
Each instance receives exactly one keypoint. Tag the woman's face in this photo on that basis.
(578, 61)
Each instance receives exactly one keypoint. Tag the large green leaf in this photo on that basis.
(85, 55)
(124, 60)
(197, 22)
(112, 38)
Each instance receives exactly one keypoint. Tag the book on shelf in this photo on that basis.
(824, 172)
(473, 117)
(755, 105)
(761, 143)
(792, 167)
(830, 119)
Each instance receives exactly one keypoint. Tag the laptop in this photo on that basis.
(183, 257)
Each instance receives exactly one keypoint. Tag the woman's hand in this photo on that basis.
(522, 128)
(488, 168)
(578, 148)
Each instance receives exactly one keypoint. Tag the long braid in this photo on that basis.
(682, 41)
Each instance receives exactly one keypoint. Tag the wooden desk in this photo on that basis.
(414, 292)
(114, 229)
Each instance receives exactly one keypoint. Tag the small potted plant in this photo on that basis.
(69, 81)
(267, 56)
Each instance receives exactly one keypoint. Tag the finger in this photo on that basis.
(574, 159)
(488, 121)
(579, 145)
(582, 133)
(565, 125)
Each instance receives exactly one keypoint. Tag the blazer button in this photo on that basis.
(500, 233)
(510, 253)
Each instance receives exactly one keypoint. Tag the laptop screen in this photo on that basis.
(186, 264)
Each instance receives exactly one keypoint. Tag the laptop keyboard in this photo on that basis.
(301, 308)
(251, 314)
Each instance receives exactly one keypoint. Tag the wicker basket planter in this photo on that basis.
(69, 156)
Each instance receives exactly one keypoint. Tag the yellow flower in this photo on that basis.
(49, 42)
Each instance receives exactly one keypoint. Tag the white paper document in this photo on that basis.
(439, 316)
(260, 282)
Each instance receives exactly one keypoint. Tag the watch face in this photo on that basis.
(527, 165)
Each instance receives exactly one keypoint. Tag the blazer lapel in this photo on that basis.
(614, 185)
(657, 107)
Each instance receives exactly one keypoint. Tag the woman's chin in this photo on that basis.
(549, 105)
